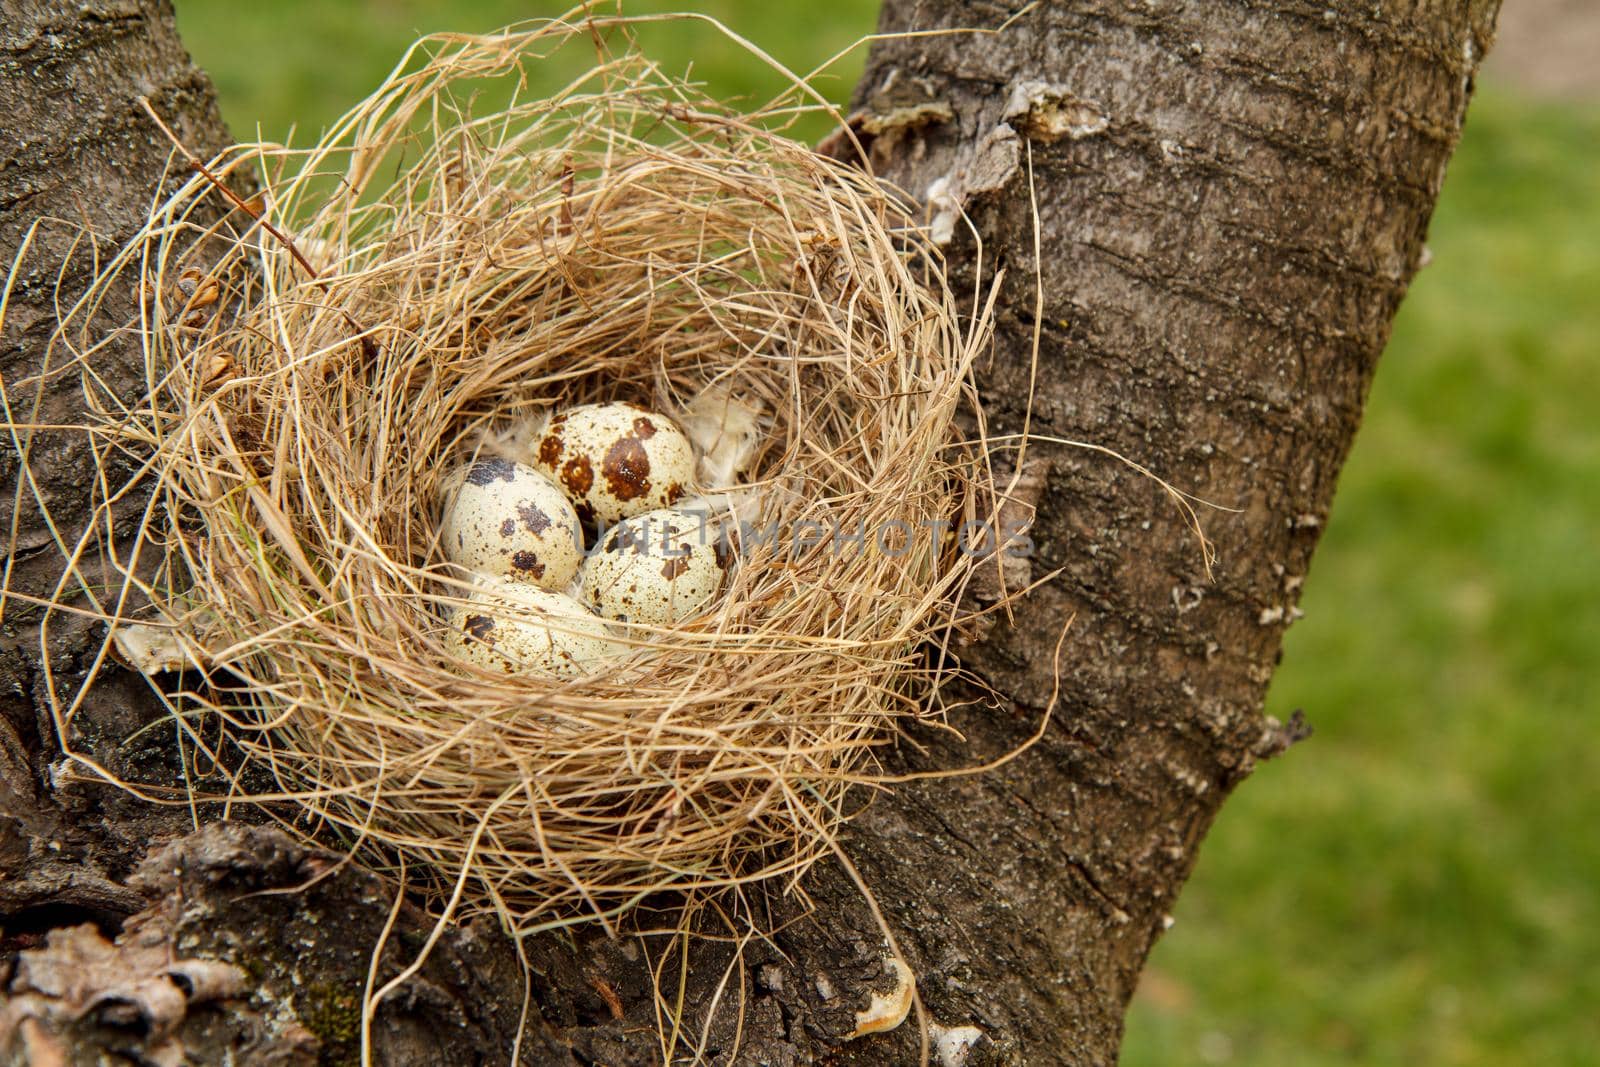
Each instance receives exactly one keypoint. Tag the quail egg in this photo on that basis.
(515, 627)
(508, 519)
(655, 568)
(615, 460)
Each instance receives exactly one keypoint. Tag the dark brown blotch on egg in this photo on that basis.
(643, 428)
(479, 626)
(550, 450)
(491, 469)
(527, 563)
(674, 567)
(674, 492)
(534, 520)
(629, 537)
(577, 474)
(626, 469)
(508, 527)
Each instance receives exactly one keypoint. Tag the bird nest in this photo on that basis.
(424, 287)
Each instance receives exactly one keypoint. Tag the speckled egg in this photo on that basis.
(514, 627)
(616, 460)
(508, 519)
(655, 568)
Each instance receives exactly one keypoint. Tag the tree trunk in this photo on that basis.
(1230, 202)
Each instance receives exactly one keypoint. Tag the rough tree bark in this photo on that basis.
(1232, 199)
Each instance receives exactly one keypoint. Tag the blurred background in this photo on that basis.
(1420, 882)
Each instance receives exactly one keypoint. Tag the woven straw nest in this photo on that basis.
(419, 289)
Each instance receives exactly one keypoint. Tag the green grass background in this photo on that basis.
(1420, 882)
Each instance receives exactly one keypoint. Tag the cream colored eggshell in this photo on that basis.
(655, 568)
(514, 627)
(508, 519)
(615, 460)
(153, 650)
(886, 1011)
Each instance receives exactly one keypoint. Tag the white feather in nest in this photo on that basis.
(513, 440)
(724, 430)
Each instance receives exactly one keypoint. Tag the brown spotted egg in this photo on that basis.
(513, 627)
(615, 460)
(508, 519)
(655, 568)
